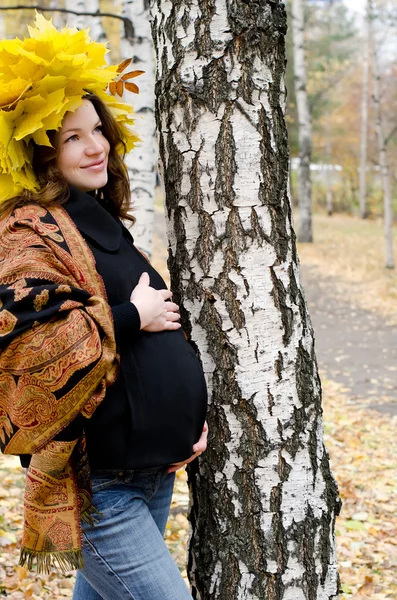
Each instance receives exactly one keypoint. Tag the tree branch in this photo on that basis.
(391, 134)
(128, 26)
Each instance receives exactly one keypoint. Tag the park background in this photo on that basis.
(351, 295)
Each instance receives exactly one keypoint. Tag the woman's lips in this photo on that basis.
(98, 166)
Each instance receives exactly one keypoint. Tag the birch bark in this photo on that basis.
(364, 121)
(142, 162)
(78, 21)
(383, 161)
(263, 500)
(83, 21)
(305, 233)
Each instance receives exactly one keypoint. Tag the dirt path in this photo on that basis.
(354, 347)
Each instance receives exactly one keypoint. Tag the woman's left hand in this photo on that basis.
(197, 449)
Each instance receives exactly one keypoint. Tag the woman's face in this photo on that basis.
(82, 149)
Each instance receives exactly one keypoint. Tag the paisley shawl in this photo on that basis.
(57, 356)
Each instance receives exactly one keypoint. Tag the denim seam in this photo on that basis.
(100, 557)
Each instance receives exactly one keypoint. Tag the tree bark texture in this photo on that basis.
(142, 162)
(263, 499)
(364, 122)
(383, 161)
(305, 233)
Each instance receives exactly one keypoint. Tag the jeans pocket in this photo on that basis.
(102, 482)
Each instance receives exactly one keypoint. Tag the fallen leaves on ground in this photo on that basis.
(363, 448)
(17, 583)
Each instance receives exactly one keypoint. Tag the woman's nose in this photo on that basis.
(94, 146)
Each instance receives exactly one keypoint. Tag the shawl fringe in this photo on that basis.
(45, 561)
(89, 516)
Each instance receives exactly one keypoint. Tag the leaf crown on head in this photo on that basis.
(41, 78)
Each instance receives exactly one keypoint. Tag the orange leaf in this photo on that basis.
(120, 87)
(132, 87)
(123, 65)
(113, 88)
(131, 74)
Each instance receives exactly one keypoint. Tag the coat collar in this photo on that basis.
(93, 220)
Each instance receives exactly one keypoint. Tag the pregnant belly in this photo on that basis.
(168, 396)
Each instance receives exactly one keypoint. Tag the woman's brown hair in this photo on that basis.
(54, 188)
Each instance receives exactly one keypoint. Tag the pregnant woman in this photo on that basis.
(100, 393)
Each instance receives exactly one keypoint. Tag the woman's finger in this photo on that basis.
(166, 294)
(171, 326)
(172, 316)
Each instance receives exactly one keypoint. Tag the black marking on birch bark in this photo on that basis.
(215, 88)
(235, 237)
(271, 401)
(257, 232)
(219, 347)
(297, 298)
(271, 188)
(298, 424)
(279, 296)
(277, 547)
(225, 151)
(227, 290)
(284, 469)
(305, 387)
(332, 499)
(205, 247)
(278, 366)
(195, 195)
(203, 43)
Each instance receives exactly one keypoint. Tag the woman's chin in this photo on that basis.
(89, 183)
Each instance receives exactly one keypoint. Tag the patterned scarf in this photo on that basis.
(57, 356)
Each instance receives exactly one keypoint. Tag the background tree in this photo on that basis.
(364, 120)
(305, 233)
(331, 45)
(383, 159)
(263, 497)
(142, 163)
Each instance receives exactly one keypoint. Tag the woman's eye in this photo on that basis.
(72, 138)
(98, 128)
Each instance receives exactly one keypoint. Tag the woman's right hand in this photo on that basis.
(156, 312)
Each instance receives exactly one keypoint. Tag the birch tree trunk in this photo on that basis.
(364, 121)
(383, 161)
(305, 233)
(142, 162)
(78, 21)
(83, 21)
(263, 500)
(329, 170)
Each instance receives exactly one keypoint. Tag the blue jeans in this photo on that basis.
(125, 555)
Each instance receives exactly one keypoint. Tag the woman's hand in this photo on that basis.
(197, 449)
(155, 311)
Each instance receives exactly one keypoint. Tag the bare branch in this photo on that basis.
(128, 26)
(391, 134)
